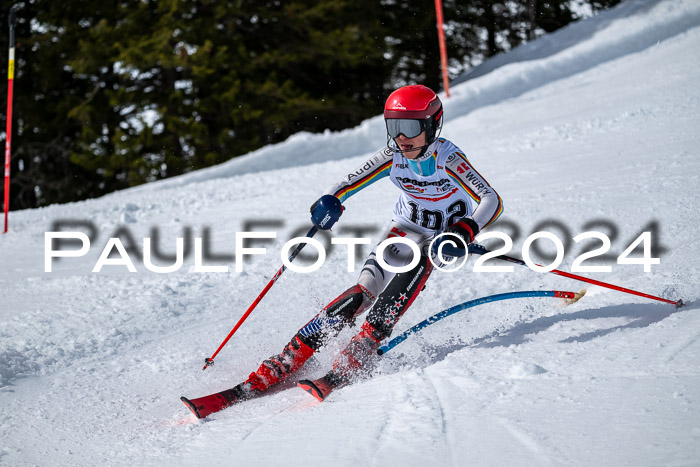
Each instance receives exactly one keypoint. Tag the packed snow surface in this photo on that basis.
(594, 127)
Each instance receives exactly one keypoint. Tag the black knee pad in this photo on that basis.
(339, 313)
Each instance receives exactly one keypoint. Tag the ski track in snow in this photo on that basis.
(92, 365)
(445, 427)
(687, 343)
(527, 441)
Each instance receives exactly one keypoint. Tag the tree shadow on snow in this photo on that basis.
(638, 316)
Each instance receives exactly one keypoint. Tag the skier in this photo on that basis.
(440, 192)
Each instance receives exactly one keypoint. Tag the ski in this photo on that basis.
(204, 406)
(207, 405)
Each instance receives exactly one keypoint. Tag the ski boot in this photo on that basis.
(272, 371)
(354, 359)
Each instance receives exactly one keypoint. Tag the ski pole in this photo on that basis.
(210, 361)
(480, 250)
(472, 303)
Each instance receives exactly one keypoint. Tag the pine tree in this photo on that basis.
(113, 94)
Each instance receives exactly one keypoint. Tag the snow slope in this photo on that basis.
(594, 127)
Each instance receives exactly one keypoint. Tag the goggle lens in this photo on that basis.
(409, 128)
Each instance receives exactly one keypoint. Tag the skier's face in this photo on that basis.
(410, 147)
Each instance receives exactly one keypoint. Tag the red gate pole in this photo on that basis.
(443, 47)
(8, 133)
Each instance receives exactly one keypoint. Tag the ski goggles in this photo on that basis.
(407, 127)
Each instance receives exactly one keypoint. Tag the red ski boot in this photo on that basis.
(356, 357)
(359, 355)
(271, 372)
(278, 367)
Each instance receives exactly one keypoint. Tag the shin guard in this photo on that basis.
(336, 315)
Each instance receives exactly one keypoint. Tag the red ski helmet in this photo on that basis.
(414, 102)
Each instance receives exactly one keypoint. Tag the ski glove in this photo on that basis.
(466, 229)
(326, 211)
